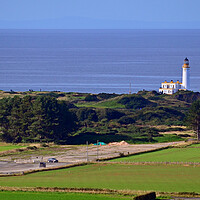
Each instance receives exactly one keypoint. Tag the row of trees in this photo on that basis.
(31, 119)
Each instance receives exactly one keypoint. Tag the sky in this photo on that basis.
(94, 14)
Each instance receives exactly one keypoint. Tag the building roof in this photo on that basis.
(171, 82)
(186, 59)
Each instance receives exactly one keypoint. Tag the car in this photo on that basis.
(52, 160)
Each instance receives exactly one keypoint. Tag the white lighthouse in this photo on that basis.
(186, 75)
(173, 87)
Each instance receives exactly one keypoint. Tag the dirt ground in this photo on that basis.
(107, 151)
(75, 154)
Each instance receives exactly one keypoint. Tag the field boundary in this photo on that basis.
(98, 191)
(196, 164)
(21, 173)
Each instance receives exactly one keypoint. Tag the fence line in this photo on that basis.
(156, 163)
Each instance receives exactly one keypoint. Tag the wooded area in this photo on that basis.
(76, 118)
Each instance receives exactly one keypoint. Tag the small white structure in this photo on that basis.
(173, 87)
(186, 75)
(170, 87)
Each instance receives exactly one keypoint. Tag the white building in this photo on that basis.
(170, 87)
(186, 75)
(173, 87)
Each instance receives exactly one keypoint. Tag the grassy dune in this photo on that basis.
(167, 155)
(114, 176)
(8, 195)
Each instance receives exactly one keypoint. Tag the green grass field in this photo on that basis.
(5, 147)
(114, 176)
(166, 155)
(104, 104)
(8, 195)
(168, 138)
(195, 145)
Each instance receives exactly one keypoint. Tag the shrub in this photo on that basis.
(52, 94)
(161, 115)
(126, 120)
(32, 148)
(86, 114)
(109, 114)
(187, 96)
(135, 102)
(103, 96)
(148, 196)
(91, 97)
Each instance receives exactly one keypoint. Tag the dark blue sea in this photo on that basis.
(96, 60)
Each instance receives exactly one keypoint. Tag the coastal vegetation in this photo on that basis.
(74, 118)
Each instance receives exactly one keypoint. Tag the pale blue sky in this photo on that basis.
(100, 14)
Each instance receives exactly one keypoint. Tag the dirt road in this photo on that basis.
(76, 154)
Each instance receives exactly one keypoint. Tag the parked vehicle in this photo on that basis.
(42, 164)
(52, 160)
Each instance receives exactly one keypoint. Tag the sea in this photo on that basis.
(96, 61)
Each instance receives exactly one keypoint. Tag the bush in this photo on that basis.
(126, 120)
(86, 114)
(92, 137)
(32, 148)
(187, 96)
(52, 94)
(136, 102)
(90, 97)
(109, 114)
(148, 196)
(161, 115)
(103, 96)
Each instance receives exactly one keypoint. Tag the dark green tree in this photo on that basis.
(29, 119)
(87, 114)
(193, 118)
(45, 120)
(5, 110)
(67, 122)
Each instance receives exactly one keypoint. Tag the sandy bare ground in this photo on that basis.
(77, 154)
(108, 151)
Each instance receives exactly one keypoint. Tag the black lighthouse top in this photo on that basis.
(186, 61)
